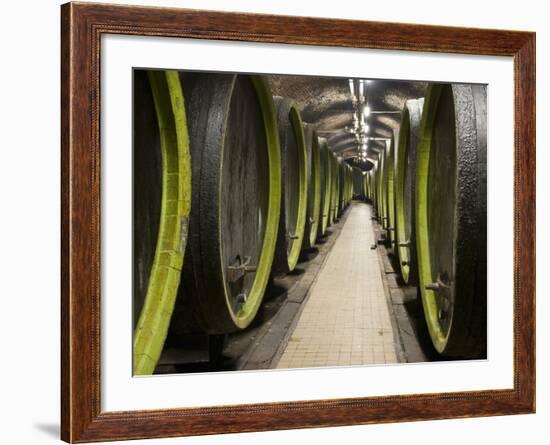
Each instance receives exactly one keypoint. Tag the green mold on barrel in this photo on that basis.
(293, 186)
(162, 198)
(451, 217)
(236, 200)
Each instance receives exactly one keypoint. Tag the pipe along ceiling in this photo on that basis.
(356, 126)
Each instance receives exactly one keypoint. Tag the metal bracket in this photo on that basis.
(242, 265)
(238, 269)
(437, 286)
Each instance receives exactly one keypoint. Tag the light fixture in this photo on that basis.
(366, 111)
(352, 89)
(361, 90)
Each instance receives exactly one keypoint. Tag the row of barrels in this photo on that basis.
(428, 188)
(229, 187)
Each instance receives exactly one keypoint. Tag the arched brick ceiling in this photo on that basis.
(326, 103)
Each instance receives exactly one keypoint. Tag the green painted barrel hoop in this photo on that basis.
(406, 165)
(391, 197)
(298, 126)
(404, 251)
(333, 170)
(287, 251)
(439, 338)
(314, 187)
(383, 214)
(326, 192)
(154, 320)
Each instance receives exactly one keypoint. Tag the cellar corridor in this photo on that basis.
(345, 320)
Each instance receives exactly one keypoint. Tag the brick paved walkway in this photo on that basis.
(346, 319)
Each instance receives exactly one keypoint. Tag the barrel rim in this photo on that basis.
(298, 127)
(154, 320)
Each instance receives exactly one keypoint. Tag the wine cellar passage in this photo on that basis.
(285, 221)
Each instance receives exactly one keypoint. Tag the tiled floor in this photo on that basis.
(346, 319)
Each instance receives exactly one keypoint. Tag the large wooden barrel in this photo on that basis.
(314, 186)
(357, 182)
(409, 130)
(377, 180)
(342, 188)
(236, 199)
(349, 182)
(369, 185)
(451, 217)
(293, 186)
(390, 196)
(383, 195)
(326, 185)
(162, 195)
(334, 190)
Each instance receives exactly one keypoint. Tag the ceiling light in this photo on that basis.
(352, 89)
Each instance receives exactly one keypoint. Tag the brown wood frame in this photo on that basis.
(81, 28)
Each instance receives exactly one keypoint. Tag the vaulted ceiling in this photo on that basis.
(326, 102)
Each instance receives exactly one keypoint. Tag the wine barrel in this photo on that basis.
(334, 190)
(383, 195)
(405, 189)
(342, 188)
(313, 187)
(390, 196)
(377, 181)
(374, 185)
(349, 182)
(162, 195)
(357, 182)
(236, 198)
(292, 218)
(326, 184)
(369, 186)
(451, 217)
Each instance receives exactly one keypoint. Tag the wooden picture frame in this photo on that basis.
(82, 26)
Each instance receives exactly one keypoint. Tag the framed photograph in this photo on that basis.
(274, 222)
